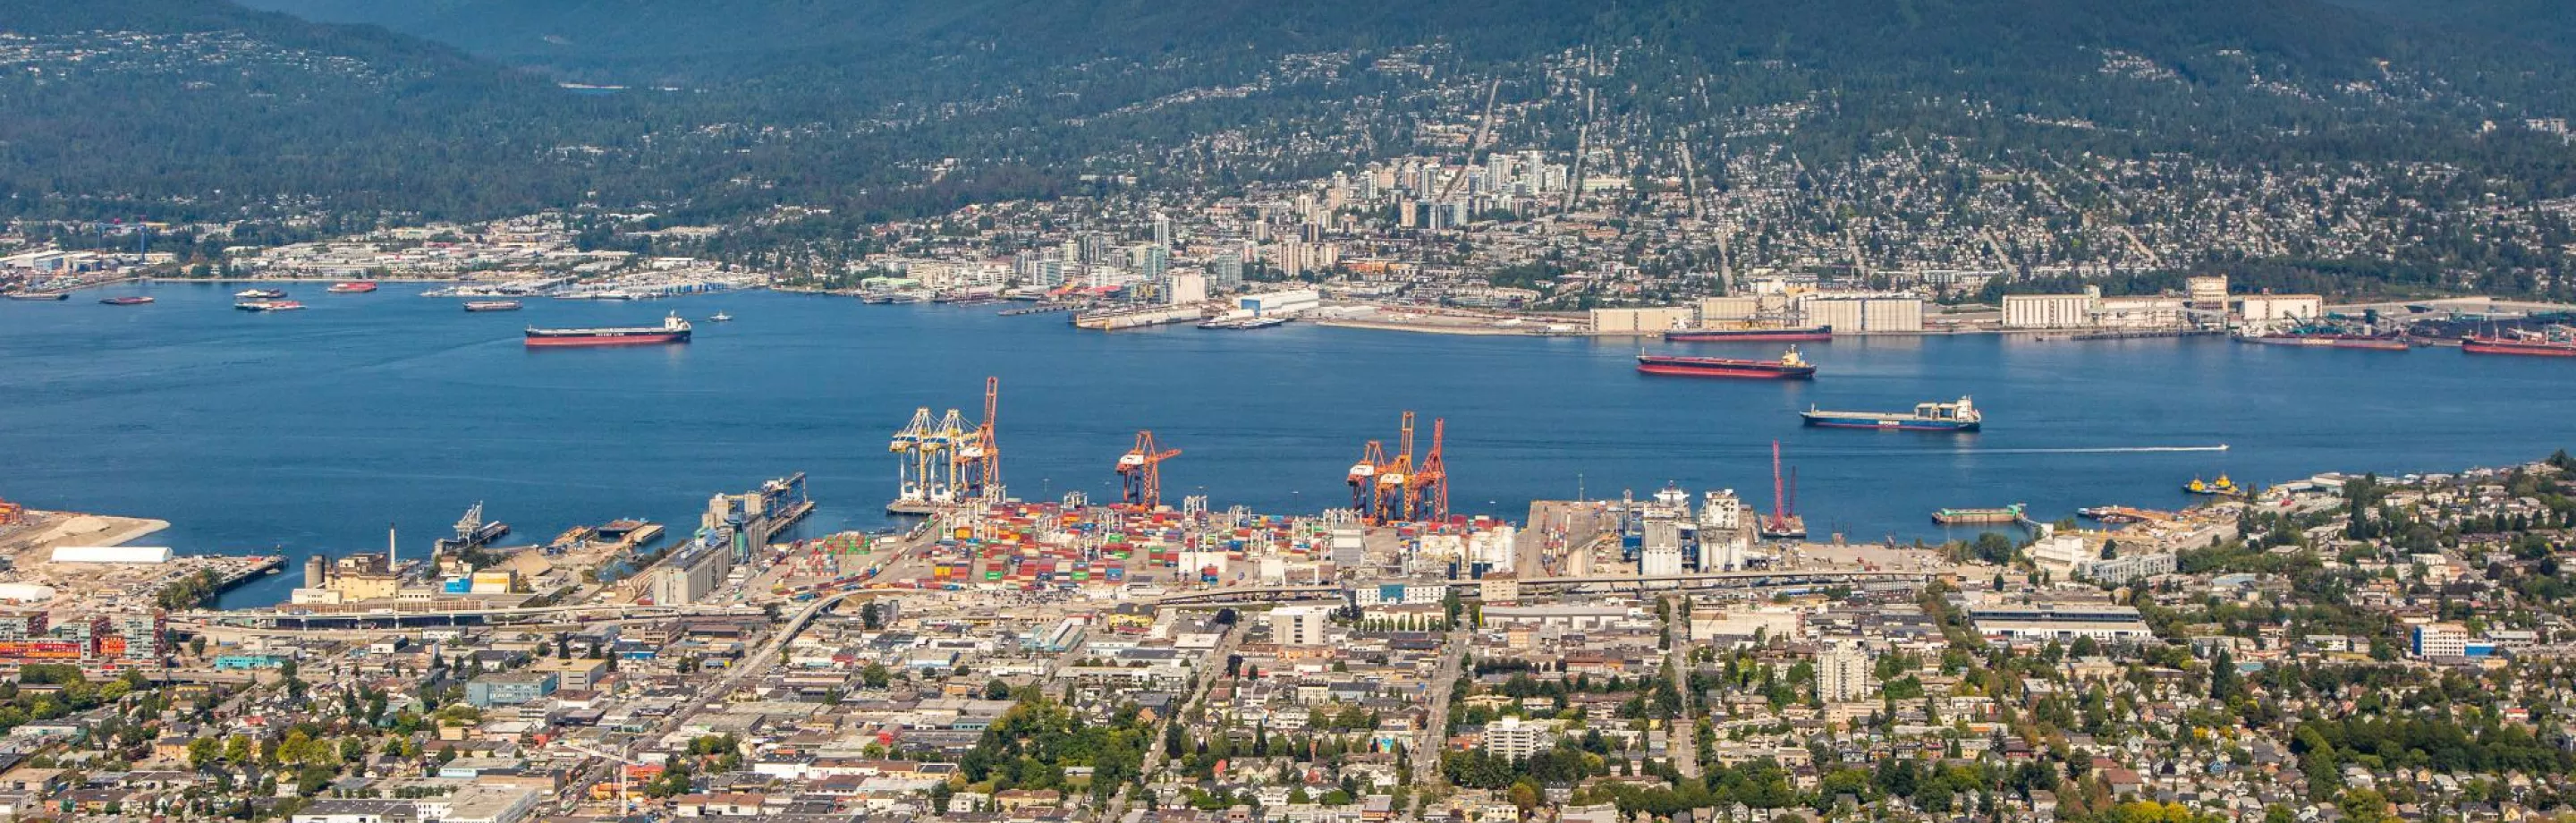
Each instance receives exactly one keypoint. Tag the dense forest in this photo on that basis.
(725, 109)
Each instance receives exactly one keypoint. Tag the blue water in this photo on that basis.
(310, 431)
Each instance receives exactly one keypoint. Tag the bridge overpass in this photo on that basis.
(1746, 580)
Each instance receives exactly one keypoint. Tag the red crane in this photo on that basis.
(1784, 521)
(1140, 471)
(1395, 478)
(1430, 492)
(979, 462)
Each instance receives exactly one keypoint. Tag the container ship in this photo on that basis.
(352, 287)
(2327, 340)
(2555, 343)
(1794, 334)
(672, 330)
(1979, 517)
(1789, 367)
(1961, 416)
(492, 305)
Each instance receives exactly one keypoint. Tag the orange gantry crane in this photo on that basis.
(10, 512)
(1140, 472)
(1427, 491)
(1363, 479)
(978, 467)
(1395, 478)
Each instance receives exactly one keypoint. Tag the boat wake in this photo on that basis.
(2110, 450)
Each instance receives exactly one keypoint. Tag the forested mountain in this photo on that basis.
(201, 107)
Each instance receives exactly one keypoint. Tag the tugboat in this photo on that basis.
(672, 330)
(2222, 487)
(1790, 366)
(1961, 416)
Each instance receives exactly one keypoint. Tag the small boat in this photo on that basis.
(258, 294)
(352, 287)
(722, 317)
(268, 305)
(492, 305)
(129, 300)
(40, 295)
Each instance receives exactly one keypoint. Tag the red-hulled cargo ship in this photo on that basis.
(1789, 367)
(672, 330)
(2555, 343)
(1795, 334)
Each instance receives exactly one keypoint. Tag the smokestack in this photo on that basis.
(393, 556)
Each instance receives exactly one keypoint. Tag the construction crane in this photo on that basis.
(1429, 492)
(978, 463)
(1395, 478)
(624, 805)
(1363, 480)
(1140, 472)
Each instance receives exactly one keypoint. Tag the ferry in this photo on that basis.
(492, 305)
(40, 295)
(672, 330)
(1793, 334)
(129, 300)
(258, 294)
(1790, 366)
(2557, 342)
(268, 305)
(1961, 416)
(352, 287)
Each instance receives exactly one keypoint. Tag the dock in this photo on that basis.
(1138, 318)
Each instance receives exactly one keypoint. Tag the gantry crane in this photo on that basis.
(1394, 480)
(913, 466)
(952, 436)
(1140, 472)
(1363, 479)
(978, 462)
(1429, 486)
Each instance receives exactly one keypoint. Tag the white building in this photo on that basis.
(1299, 625)
(1843, 672)
(2050, 311)
(1512, 738)
(2257, 308)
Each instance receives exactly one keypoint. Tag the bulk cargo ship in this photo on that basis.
(2557, 342)
(1793, 334)
(40, 295)
(1961, 416)
(672, 330)
(1789, 367)
(2327, 340)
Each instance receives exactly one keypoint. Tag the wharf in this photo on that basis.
(1138, 318)
(1048, 308)
(2137, 334)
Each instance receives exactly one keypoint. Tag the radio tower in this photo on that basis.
(1140, 472)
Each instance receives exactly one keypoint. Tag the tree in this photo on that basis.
(876, 676)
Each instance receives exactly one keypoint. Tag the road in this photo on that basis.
(1208, 674)
(1683, 734)
(1430, 740)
